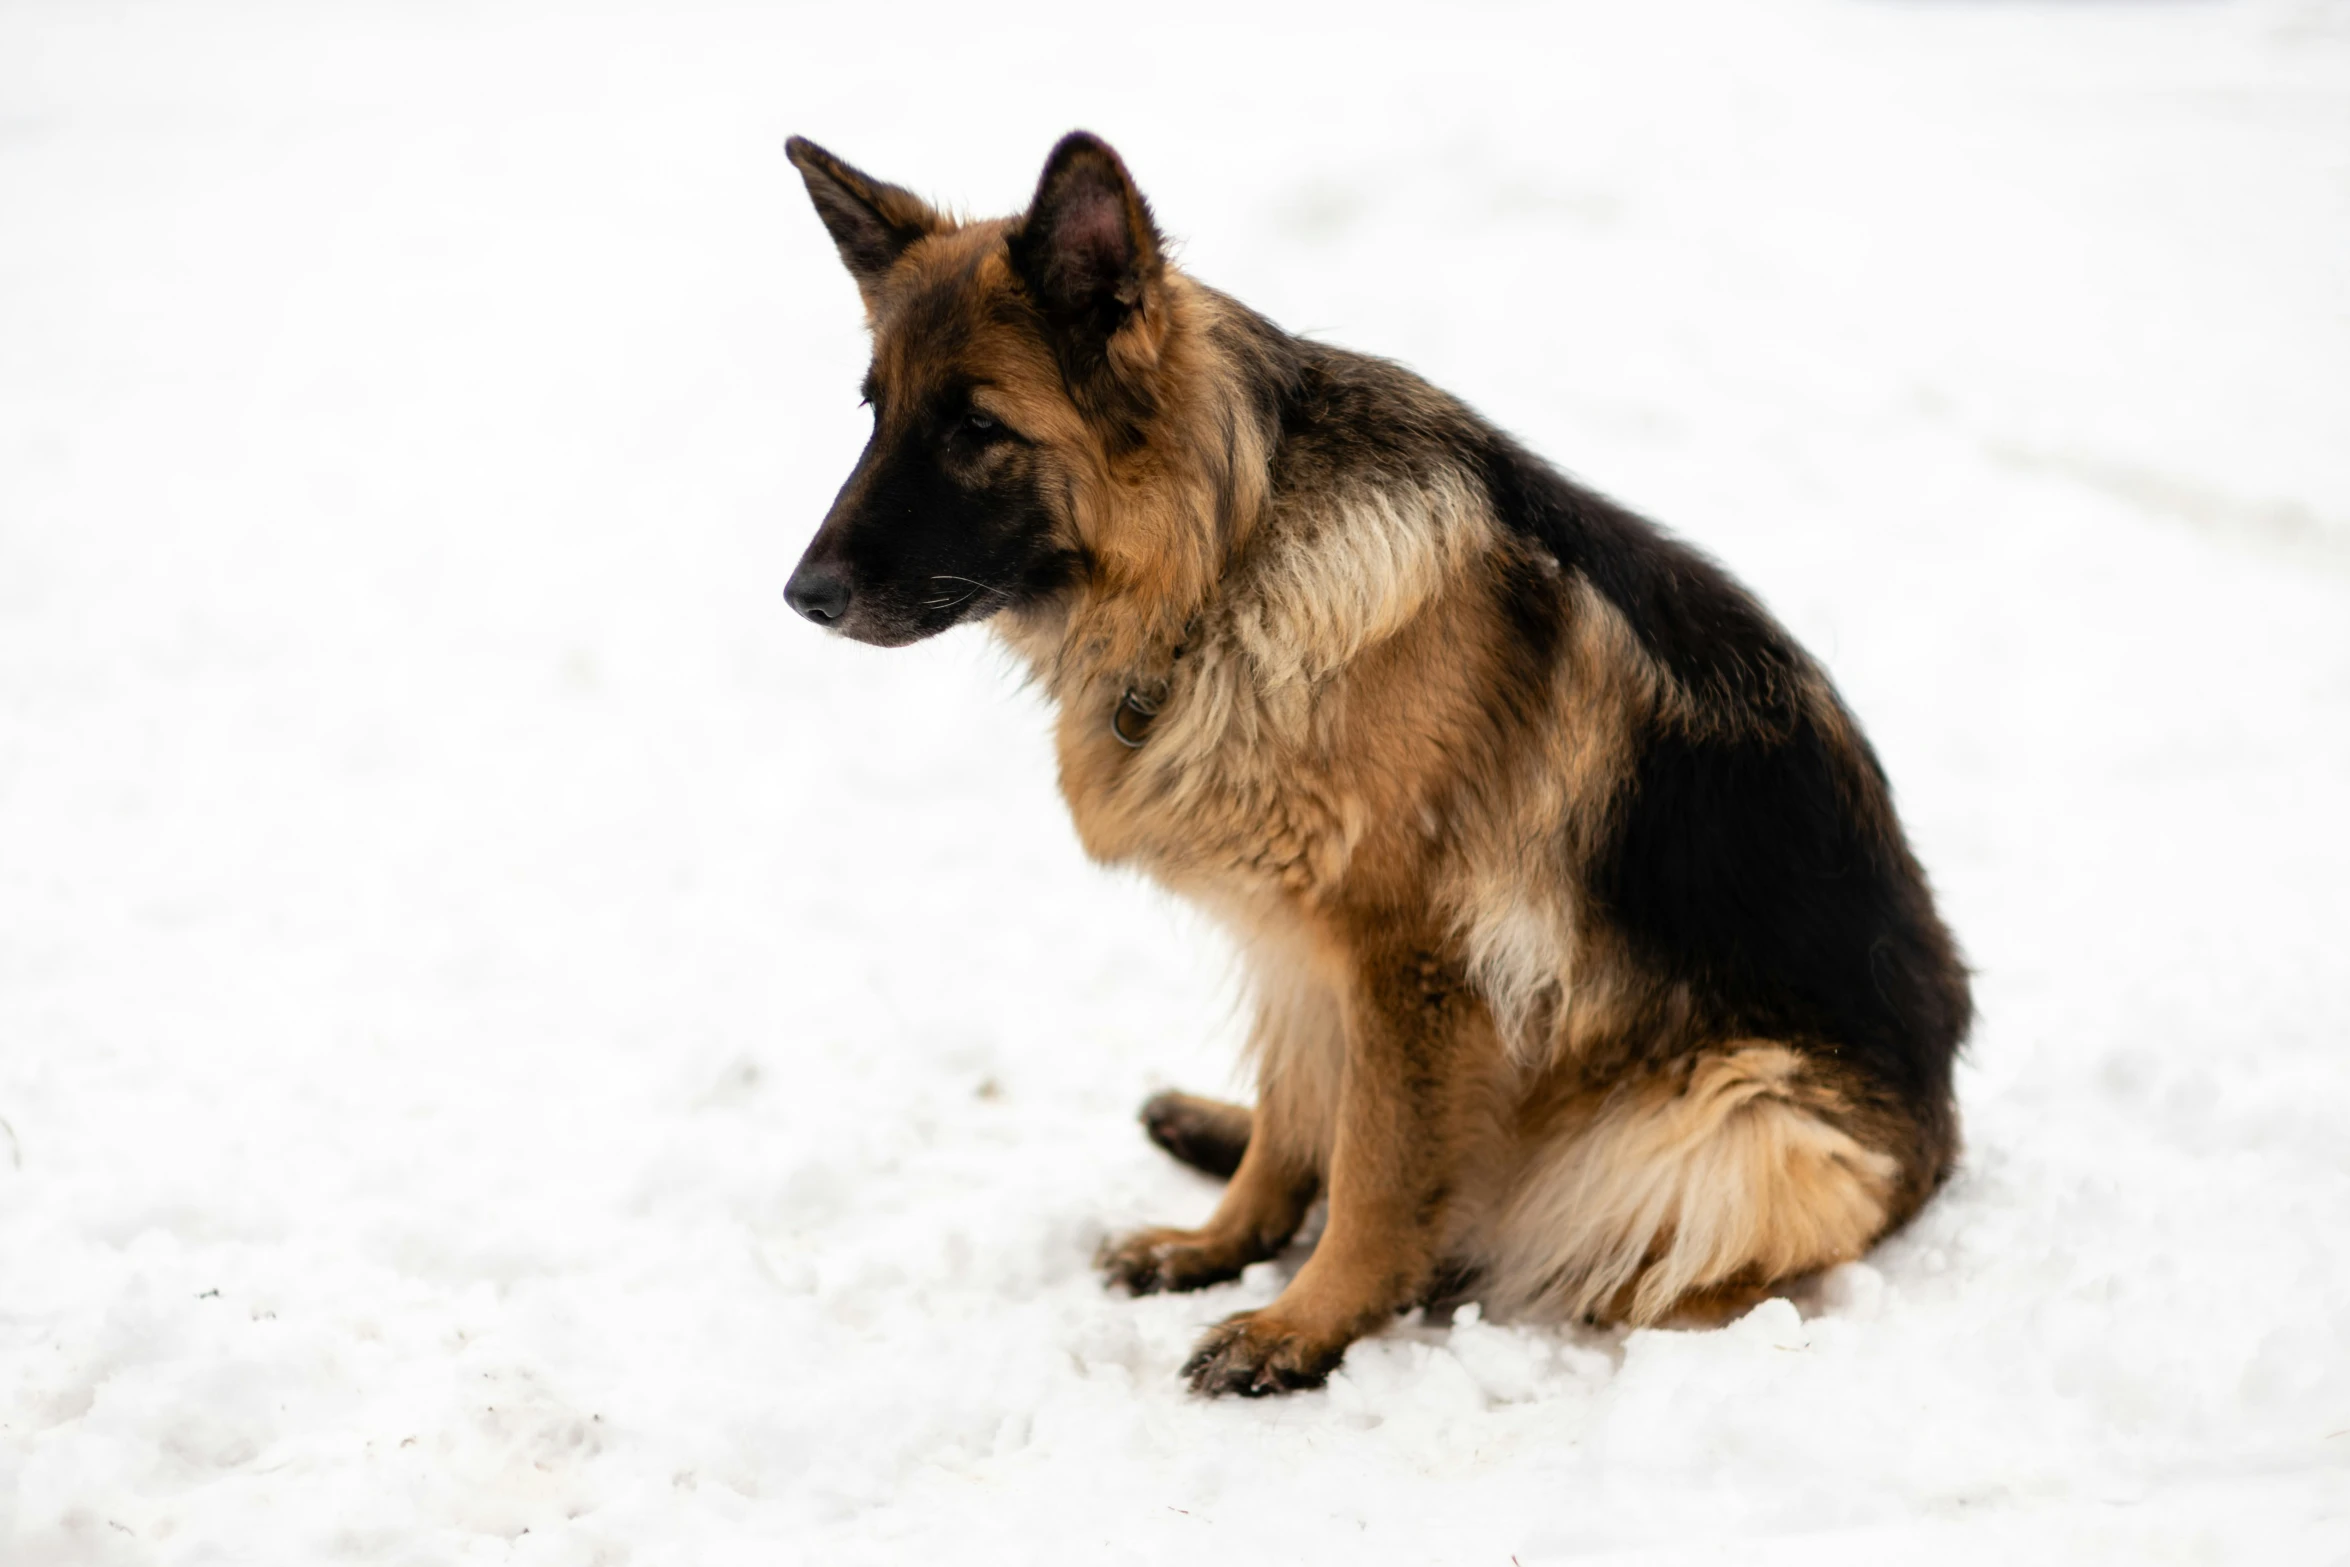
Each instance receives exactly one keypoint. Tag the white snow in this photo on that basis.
(514, 1049)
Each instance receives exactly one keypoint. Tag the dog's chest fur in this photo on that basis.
(1274, 758)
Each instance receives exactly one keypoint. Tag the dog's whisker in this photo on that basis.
(964, 598)
(977, 588)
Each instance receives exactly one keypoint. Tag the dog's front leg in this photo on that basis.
(1261, 1210)
(1299, 1040)
(1392, 1165)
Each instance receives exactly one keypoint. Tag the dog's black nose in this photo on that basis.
(819, 592)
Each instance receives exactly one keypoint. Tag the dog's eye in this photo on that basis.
(977, 422)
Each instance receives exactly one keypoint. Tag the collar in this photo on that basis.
(1131, 719)
(1138, 708)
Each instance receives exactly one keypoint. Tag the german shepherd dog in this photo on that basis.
(1592, 972)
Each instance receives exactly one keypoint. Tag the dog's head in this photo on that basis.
(1012, 361)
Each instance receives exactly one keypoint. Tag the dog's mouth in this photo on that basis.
(890, 616)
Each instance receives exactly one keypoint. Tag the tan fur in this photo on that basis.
(1662, 1194)
(1519, 933)
(1299, 1048)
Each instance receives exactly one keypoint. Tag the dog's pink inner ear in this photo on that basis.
(1092, 247)
(1087, 244)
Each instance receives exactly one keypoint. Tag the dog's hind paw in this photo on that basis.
(1207, 1134)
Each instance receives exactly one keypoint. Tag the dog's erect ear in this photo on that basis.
(1086, 247)
(870, 221)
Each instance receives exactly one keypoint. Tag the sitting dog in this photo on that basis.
(1592, 972)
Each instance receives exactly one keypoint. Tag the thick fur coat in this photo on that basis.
(1592, 971)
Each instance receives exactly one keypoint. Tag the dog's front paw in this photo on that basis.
(1149, 1261)
(1256, 1353)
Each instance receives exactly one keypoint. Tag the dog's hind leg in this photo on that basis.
(1210, 1135)
(1687, 1203)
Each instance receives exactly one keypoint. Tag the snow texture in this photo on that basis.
(514, 1049)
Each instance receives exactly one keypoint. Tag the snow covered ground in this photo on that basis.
(514, 1049)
